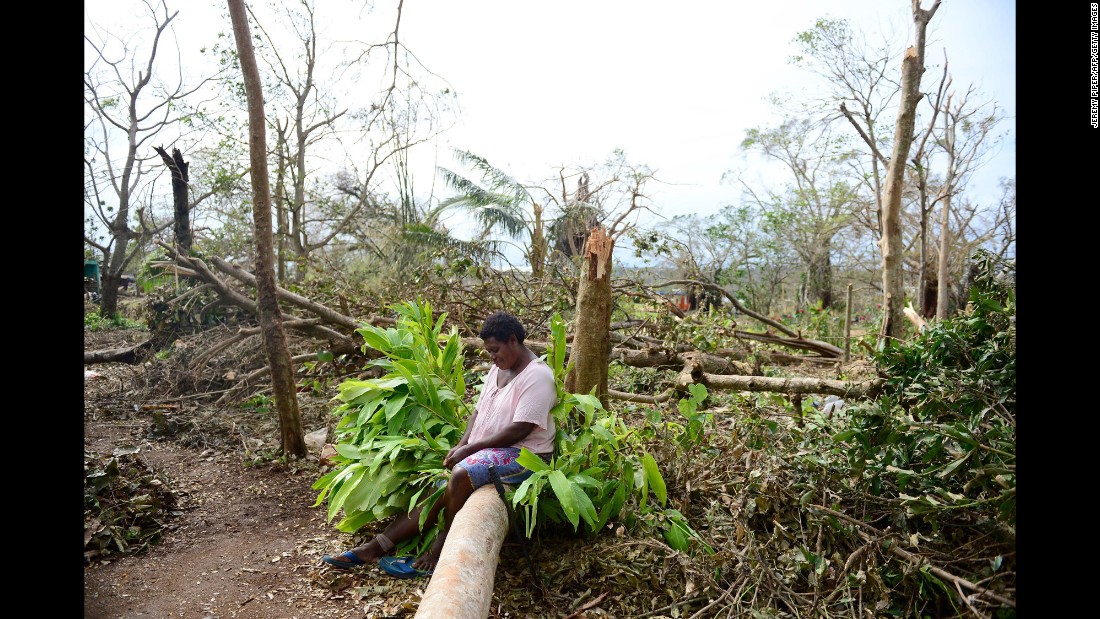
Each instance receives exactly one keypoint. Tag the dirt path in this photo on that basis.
(247, 544)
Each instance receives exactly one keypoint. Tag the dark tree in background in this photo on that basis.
(180, 199)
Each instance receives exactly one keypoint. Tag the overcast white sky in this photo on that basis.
(673, 84)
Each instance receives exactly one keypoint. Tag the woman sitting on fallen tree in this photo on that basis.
(513, 411)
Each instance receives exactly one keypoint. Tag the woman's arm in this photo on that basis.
(505, 437)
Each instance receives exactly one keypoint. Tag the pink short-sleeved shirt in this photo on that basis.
(529, 397)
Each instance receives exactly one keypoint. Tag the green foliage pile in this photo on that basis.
(125, 505)
(881, 508)
(394, 432)
(943, 439)
(929, 467)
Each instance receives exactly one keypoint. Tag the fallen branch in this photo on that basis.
(587, 605)
(326, 313)
(916, 559)
(642, 399)
(252, 376)
(798, 342)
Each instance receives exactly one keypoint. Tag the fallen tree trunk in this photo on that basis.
(796, 340)
(325, 313)
(130, 354)
(462, 583)
(792, 386)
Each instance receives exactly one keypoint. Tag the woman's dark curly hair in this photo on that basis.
(500, 325)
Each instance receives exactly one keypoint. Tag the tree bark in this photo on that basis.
(912, 66)
(180, 200)
(945, 240)
(945, 222)
(274, 336)
(109, 283)
(462, 583)
(592, 335)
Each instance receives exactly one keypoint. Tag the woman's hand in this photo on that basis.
(455, 455)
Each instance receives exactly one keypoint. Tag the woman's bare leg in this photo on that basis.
(459, 489)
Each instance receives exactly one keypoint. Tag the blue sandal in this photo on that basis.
(345, 561)
(401, 567)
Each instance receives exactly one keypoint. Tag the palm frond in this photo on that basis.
(426, 236)
(501, 215)
(496, 179)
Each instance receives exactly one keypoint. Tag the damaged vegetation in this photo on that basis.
(897, 504)
(127, 506)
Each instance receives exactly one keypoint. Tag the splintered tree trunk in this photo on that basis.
(180, 199)
(271, 320)
(591, 352)
(538, 244)
(912, 66)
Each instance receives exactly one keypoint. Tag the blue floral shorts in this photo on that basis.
(504, 459)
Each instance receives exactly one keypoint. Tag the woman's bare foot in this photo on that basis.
(428, 560)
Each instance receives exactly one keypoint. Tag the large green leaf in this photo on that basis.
(584, 506)
(351, 524)
(531, 461)
(351, 478)
(676, 537)
(394, 404)
(375, 337)
(563, 490)
(611, 509)
(653, 477)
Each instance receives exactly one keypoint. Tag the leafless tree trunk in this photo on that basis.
(592, 339)
(912, 66)
(180, 199)
(271, 322)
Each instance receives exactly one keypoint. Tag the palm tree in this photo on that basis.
(497, 201)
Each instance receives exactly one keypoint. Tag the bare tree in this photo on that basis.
(912, 67)
(307, 120)
(180, 200)
(967, 133)
(122, 98)
(271, 321)
(861, 86)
